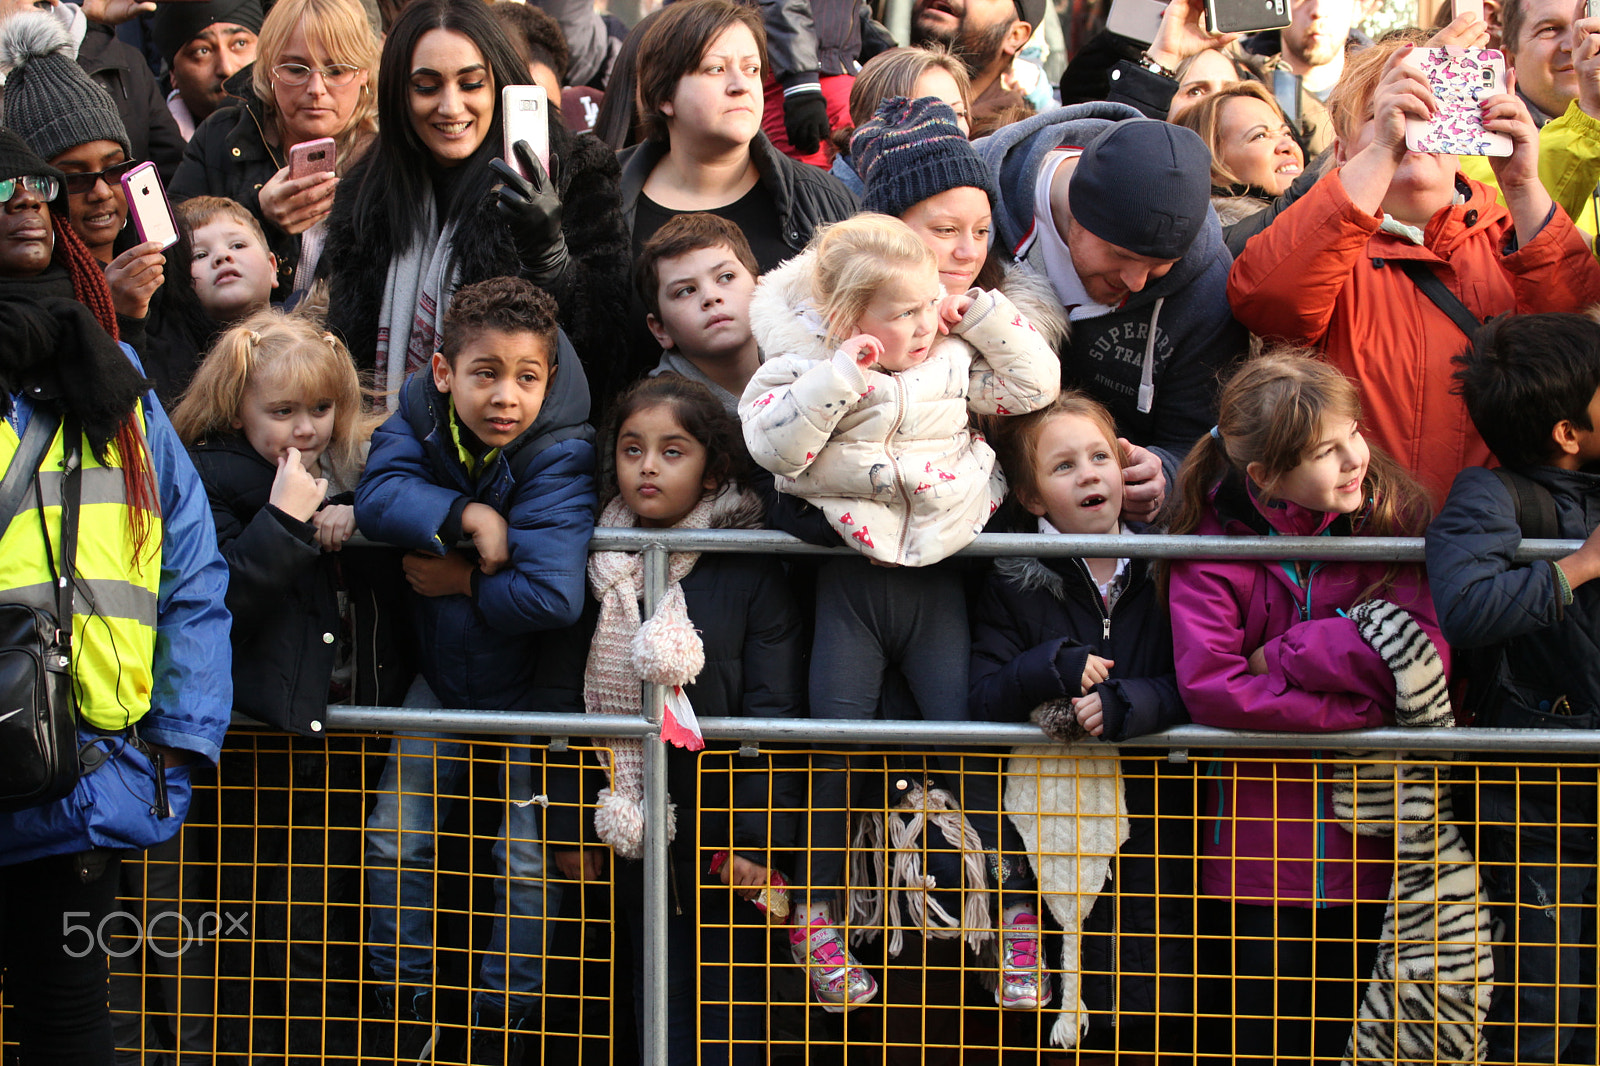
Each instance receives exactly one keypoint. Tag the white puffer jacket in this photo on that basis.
(889, 457)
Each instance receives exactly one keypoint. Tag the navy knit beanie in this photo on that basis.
(911, 150)
(1143, 185)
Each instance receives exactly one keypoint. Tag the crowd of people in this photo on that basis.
(769, 269)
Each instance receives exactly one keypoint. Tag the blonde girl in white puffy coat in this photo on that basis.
(862, 408)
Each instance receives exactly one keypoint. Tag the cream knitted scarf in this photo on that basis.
(664, 650)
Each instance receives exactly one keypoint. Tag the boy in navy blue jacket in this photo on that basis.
(493, 445)
(1532, 386)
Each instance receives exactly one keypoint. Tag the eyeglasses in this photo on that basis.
(43, 186)
(82, 183)
(337, 75)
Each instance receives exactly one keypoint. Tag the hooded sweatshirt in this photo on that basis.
(1154, 359)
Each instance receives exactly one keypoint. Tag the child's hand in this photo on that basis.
(134, 276)
(489, 535)
(294, 491)
(1257, 663)
(334, 525)
(864, 348)
(749, 878)
(952, 309)
(1090, 713)
(449, 574)
(1144, 483)
(1096, 670)
(582, 865)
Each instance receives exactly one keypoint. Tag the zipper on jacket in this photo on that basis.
(900, 405)
(1099, 601)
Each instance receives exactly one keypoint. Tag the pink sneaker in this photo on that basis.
(837, 979)
(1023, 983)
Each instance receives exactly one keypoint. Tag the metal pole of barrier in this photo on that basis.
(654, 1022)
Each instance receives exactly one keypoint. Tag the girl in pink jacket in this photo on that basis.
(1265, 645)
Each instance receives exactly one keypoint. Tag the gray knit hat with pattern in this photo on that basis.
(49, 100)
(910, 150)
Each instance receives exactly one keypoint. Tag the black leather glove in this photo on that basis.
(532, 209)
(805, 120)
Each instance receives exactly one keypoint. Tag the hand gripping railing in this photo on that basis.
(655, 546)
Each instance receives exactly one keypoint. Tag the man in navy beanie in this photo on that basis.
(1115, 211)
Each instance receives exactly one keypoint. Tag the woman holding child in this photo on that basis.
(311, 79)
(430, 208)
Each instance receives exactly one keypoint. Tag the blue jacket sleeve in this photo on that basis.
(399, 500)
(551, 521)
(1482, 596)
(192, 693)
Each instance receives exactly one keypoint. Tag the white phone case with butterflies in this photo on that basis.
(1460, 78)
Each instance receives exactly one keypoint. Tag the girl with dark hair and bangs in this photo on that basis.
(432, 208)
(1268, 645)
(728, 632)
(151, 689)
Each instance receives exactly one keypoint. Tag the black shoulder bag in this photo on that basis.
(38, 713)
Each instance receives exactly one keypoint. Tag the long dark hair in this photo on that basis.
(697, 410)
(401, 172)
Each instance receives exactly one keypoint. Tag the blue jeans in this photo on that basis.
(1541, 880)
(414, 798)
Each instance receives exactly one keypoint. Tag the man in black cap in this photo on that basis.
(1115, 211)
(205, 44)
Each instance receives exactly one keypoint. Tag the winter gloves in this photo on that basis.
(532, 209)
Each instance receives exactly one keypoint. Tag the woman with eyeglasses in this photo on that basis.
(74, 125)
(312, 78)
(151, 709)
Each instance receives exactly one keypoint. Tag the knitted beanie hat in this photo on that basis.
(176, 25)
(49, 99)
(18, 160)
(910, 150)
(1143, 185)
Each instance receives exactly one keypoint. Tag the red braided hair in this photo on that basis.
(90, 288)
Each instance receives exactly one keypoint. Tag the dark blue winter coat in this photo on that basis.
(1484, 600)
(480, 651)
(1035, 625)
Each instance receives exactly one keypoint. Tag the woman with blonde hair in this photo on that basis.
(1254, 154)
(316, 62)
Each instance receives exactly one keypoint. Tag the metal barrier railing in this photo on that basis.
(655, 546)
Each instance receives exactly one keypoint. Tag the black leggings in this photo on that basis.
(55, 967)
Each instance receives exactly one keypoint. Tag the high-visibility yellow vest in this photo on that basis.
(114, 605)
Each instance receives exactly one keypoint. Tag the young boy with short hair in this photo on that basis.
(1531, 384)
(491, 443)
(234, 271)
(695, 275)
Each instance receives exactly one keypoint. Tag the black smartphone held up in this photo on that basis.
(1246, 16)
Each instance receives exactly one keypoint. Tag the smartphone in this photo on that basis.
(1591, 8)
(1286, 90)
(1136, 20)
(311, 157)
(148, 207)
(1246, 16)
(525, 116)
(1459, 78)
(1463, 7)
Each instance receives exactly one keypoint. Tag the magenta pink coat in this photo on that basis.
(1268, 835)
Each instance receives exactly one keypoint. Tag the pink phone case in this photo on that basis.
(1459, 78)
(148, 206)
(311, 157)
